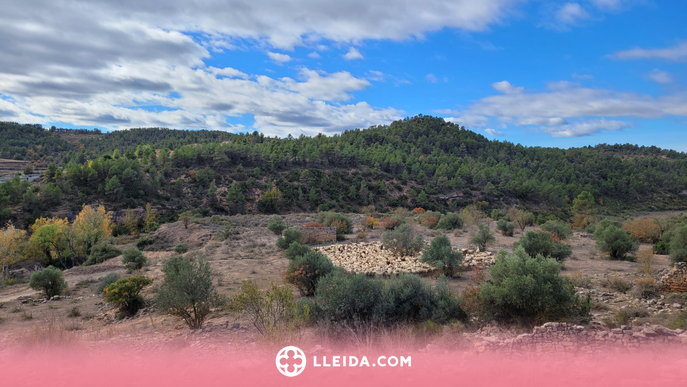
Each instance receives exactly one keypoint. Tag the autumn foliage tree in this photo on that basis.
(11, 241)
(645, 230)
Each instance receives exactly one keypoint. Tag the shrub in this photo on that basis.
(296, 250)
(440, 255)
(497, 214)
(289, 235)
(678, 245)
(613, 240)
(181, 248)
(472, 215)
(49, 280)
(450, 221)
(371, 222)
(133, 259)
(390, 223)
(185, 218)
(483, 237)
(624, 316)
(530, 290)
(102, 252)
(327, 218)
(305, 270)
(124, 294)
(646, 288)
(544, 243)
(616, 283)
(428, 219)
(645, 230)
(271, 311)
(661, 248)
(141, 243)
(276, 225)
(403, 240)
(419, 210)
(188, 291)
(340, 229)
(562, 229)
(357, 302)
(520, 217)
(106, 281)
(647, 262)
(507, 228)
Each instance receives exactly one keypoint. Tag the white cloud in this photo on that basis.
(374, 75)
(314, 55)
(582, 77)
(101, 62)
(279, 58)
(586, 128)
(569, 111)
(677, 52)
(352, 54)
(659, 76)
(506, 88)
(431, 78)
(571, 13)
(494, 133)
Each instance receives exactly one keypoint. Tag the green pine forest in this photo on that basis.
(421, 161)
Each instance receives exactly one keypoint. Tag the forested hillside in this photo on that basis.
(421, 161)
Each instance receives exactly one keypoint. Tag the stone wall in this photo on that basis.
(319, 234)
(676, 279)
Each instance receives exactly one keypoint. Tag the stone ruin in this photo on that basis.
(372, 258)
(676, 279)
(318, 234)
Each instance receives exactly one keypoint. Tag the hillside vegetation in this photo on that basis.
(416, 162)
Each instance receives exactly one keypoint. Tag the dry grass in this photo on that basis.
(580, 280)
(616, 283)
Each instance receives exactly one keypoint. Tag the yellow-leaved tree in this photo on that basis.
(11, 243)
(90, 227)
(49, 236)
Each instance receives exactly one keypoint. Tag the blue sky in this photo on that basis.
(544, 73)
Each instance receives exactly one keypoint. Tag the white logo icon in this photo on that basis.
(291, 361)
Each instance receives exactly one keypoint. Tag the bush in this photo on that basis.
(646, 288)
(181, 248)
(271, 311)
(661, 248)
(625, 316)
(102, 252)
(345, 223)
(450, 221)
(678, 245)
(296, 250)
(188, 291)
(613, 240)
(497, 214)
(645, 230)
(305, 270)
(390, 223)
(371, 222)
(507, 228)
(357, 302)
(429, 219)
(133, 259)
(483, 237)
(616, 283)
(562, 229)
(49, 280)
(440, 255)
(289, 235)
(403, 240)
(544, 243)
(276, 225)
(529, 290)
(124, 294)
(141, 243)
(106, 281)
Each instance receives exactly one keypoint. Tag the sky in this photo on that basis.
(539, 73)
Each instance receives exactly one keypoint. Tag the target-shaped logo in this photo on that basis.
(291, 361)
